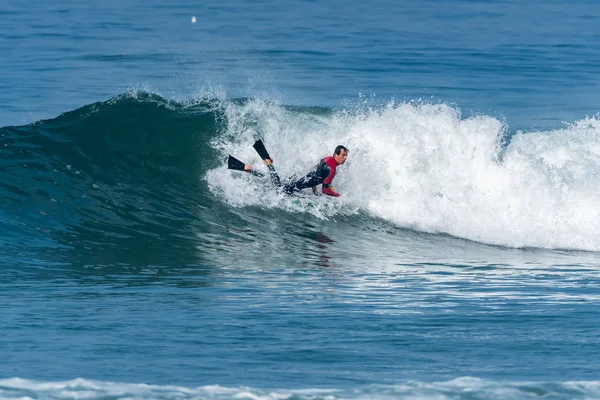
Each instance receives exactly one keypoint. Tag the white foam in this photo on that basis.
(425, 167)
(465, 387)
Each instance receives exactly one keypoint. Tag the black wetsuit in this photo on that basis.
(323, 173)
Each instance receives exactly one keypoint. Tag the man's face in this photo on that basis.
(340, 158)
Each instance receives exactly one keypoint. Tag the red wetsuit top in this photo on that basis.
(325, 188)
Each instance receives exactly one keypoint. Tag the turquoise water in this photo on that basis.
(461, 260)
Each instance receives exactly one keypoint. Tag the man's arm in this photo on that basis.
(326, 189)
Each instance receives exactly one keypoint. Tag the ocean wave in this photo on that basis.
(138, 161)
(426, 167)
(460, 388)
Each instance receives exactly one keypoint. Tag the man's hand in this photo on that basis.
(329, 192)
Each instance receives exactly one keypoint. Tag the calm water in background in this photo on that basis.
(130, 256)
(533, 64)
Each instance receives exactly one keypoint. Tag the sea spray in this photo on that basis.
(426, 167)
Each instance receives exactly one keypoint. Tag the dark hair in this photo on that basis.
(339, 149)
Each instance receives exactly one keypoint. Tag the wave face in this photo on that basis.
(461, 388)
(114, 175)
(139, 166)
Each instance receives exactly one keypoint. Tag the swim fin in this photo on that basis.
(264, 154)
(261, 150)
(234, 163)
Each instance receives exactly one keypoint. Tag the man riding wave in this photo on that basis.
(322, 174)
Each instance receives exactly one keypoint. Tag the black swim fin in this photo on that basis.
(261, 150)
(264, 154)
(235, 164)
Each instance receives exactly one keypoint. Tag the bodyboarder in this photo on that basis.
(322, 174)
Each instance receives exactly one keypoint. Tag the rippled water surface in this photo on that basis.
(460, 262)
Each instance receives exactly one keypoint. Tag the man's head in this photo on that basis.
(340, 154)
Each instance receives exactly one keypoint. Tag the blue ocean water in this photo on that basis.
(460, 262)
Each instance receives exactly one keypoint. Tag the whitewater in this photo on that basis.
(426, 167)
(463, 388)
